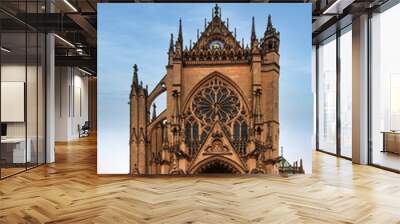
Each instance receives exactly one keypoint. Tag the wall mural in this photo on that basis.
(217, 125)
(232, 97)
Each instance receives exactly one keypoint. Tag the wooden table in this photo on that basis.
(391, 141)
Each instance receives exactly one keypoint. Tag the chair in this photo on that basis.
(84, 130)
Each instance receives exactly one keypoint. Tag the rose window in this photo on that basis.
(216, 100)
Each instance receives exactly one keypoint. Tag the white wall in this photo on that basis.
(33, 126)
(17, 73)
(71, 102)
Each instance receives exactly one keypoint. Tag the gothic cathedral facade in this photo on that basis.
(222, 113)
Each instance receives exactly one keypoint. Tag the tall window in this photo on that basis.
(346, 92)
(327, 95)
(22, 78)
(192, 135)
(240, 135)
(385, 89)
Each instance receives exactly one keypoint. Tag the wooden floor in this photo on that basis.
(387, 159)
(5, 172)
(69, 191)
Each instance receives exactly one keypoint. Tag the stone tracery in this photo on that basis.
(216, 99)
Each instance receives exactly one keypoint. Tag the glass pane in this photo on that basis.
(327, 96)
(346, 93)
(386, 89)
(13, 91)
(31, 98)
(41, 98)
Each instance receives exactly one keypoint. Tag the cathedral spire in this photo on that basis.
(270, 41)
(269, 24)
(253, 31)
(135, 79)
(179, 42)
(254, 42)
(171, 44)
(216, 11)
(180, 36)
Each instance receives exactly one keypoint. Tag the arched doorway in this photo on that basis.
(218, 166)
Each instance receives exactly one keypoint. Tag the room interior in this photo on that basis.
(25, 63)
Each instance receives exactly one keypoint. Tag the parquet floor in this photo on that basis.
(69, 191)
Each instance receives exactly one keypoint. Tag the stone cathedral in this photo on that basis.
(222, 113)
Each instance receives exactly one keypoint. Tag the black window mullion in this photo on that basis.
(317, 96)
(26, 86)
(0, 93)
(338, 91)
(37, 90)
(369, 90)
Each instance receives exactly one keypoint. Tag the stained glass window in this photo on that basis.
(216, 100)
(244, 131)
(236, 131)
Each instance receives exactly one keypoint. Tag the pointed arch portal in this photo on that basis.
(217, 167)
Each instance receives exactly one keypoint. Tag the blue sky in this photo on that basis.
(139, 33)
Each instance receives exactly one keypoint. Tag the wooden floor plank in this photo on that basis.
(70, 191)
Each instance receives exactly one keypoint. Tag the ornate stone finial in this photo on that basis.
(165, 133)
(135, 74)
(242, 42)
(135, 170)
(216, 11)
(227, 23)
(154, 111)
(205, 23)
(257, 113)
(235, 32)
(198, 34)
(269, 24)
(253, 30)
(175, 114)
(180, 35)
(171, 44)
(190, 45)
